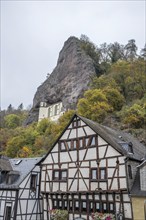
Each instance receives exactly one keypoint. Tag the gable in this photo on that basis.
(79, 136)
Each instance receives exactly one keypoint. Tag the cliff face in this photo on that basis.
(69, 79)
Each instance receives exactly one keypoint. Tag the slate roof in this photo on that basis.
(21, 166)
(136, 191)
(115, 137)
(5, 164)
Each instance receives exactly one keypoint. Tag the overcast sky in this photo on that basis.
(33, 33)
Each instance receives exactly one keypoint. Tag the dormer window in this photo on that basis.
(12, 176)
(127, 146)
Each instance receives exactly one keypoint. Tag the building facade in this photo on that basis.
(19, 189)
(52, 111)
(90, 168)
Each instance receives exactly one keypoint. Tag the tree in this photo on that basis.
(20, 107)
(114, 97)
(10, 109)
(94, 105)
(131, 50)
(143, 52)
(115, 52)
(12, 121)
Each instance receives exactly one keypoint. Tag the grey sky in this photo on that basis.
(33, 33)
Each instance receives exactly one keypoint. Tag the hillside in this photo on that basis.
(106, 84)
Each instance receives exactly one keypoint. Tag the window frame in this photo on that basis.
(33, 181)
(60, 177)
(98, 174)
(7, 215)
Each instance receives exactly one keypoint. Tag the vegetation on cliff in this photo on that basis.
(116, 98)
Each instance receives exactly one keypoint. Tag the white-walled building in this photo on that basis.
(20, 197)
(53, 111)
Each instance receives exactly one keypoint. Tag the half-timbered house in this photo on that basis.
(19, 189)
(90, 168)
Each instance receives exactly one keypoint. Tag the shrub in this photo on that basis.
(57, 214)
(102, 216)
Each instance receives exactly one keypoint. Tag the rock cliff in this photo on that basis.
(69, 79)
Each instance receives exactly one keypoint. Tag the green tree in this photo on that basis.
(12, 121)
(94, 105)
(131, 50)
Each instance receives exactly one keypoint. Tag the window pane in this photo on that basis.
(102, 174)
(94, 174)
(62, 146)
(97, 205)
(111, 207)
(81, 143)
(69, 144)
(93, 141)
(87, 139)
(56, 175)
(76, 204)
(84, 204)
(63, 175)
(8, 213)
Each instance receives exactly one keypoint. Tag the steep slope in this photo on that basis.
(69, 79)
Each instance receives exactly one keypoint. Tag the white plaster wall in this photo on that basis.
(112, 152)
(91, 154)
(101, 141)
(101, 151)
(127, 210)
(89, 131)
(80, 132)
(65, 135)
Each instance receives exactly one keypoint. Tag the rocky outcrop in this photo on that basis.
(69, 79)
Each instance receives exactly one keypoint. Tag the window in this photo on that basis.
(60, 175)
(97, 206)
(81, 143)
(33, 182)
(70, 205)
(130, 147)
(63, 175)
(55, 204)
(76, 123)
(130, 171)
(8, 211)
(91, 206)
(102, 173)
(94, 174)
(93, 141)
(84, 206)
(104, 207)
(76, 205)
(62, 146)
(56, 175)
(86, 141)
(57, 108)
(69, 144)
(101, 176)
(111, 207)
